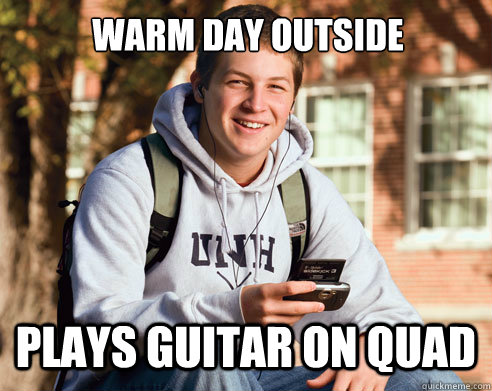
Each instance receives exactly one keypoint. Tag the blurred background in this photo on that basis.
(406, 137)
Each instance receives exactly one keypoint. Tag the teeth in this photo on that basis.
(253, 125)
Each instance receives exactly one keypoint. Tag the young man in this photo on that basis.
(233, 131)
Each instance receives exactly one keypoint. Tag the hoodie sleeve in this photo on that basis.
(110, 239)
(337, 233)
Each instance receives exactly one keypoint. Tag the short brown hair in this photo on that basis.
(206, 61)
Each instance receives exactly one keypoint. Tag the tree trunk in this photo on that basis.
(14, 183)
(32, 249)
(32, 181)
(22, 290)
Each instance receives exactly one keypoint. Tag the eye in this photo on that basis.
(236, 82)
(277, 87)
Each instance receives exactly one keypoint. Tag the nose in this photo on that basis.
(255, 100)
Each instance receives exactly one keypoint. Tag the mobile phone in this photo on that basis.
(326, 274)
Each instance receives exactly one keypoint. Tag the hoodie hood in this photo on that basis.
(177, 118)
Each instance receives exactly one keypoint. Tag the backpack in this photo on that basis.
(166, 173)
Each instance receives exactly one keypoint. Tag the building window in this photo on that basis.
(450, 154)
(340, 121)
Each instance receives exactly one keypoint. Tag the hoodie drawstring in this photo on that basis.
(257, 238)
(225, 232)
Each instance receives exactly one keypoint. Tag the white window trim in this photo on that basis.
(368, 161)
(86, 105)
(81, 107)
(437, 238)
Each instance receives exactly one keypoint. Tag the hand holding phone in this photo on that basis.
(264, 304)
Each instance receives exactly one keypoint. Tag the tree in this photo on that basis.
(132, 81)
(38, 47)
(37, 51)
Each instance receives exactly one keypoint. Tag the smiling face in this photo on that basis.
(247, 104)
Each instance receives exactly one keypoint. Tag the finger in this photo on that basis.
(322, 380)
(290, 288)
(376, 387)
(359, 386)
(342, 381)
(295, 307)
(290, 320)
(380, 385)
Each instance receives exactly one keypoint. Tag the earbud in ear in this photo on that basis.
(200, 90)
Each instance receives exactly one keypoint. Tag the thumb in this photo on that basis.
(322, 380)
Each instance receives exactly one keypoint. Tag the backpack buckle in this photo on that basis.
(155, 236)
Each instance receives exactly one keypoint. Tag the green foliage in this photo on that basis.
(34, 34)
(11, 11)
(14, 51)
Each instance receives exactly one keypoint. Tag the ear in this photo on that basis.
(195, 83)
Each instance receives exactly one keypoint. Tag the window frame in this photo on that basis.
(76, 173)
(445, 238)
(336, 89)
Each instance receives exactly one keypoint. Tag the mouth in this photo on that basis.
(250, 126)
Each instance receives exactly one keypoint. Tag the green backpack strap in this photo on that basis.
(166, 173)
(294, 192)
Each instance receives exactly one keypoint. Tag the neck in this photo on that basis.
(239, 168)
(241, 172)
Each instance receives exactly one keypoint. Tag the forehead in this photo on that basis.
(264, 64)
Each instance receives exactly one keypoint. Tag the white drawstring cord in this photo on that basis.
(257, 239)
(225, 232)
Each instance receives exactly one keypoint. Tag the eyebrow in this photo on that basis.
(245, 75)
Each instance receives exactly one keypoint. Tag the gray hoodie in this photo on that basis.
(198, 282)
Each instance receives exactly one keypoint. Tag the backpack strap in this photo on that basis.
(166, 173)
(294, 192)
(64, 312)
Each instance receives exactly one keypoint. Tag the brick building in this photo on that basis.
(407, 138)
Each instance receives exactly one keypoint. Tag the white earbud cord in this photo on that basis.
(236, 270)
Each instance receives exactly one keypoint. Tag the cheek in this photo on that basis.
(282, 107)
(282, 115)
(219, 110)
(225, 106)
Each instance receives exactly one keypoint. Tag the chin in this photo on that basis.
(250, 149)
